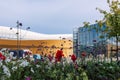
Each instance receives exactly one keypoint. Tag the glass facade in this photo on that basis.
(91, 40)
(75, 41)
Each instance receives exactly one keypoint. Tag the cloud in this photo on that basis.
(50, 14)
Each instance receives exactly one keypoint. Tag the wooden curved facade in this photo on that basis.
(39, 46)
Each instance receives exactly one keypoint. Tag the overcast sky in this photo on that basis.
(50, 16)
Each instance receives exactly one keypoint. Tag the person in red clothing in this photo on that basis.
(59, 55)
(73, 57)
(2, 57)
(83, 54)
(50, 57)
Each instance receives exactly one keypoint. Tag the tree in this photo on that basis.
(112, 21)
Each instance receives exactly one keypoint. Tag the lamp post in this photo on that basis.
(18, 37)
(94, 49)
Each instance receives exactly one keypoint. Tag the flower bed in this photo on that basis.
(45, 69)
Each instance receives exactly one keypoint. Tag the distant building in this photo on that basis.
(38, 43)
(91, 40)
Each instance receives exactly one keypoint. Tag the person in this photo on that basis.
(2, 57)
(83, 54)
(50, 57)
(73, 57)
(59, 55)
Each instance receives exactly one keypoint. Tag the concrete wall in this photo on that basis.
(113, 51)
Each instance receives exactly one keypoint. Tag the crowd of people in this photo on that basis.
(59, 55)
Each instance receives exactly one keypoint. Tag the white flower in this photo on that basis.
(20, 60)
(37, 66)
(53, 60)
(47, 67)
(1, 63)
(110, 67)
(50, 64)
(6, 70)
(64, 63)
(14, 68)
(24, 63)
(14, 58)
(7, 60)
(32, 70)
(13, 62)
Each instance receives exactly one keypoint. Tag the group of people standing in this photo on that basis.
(59, 55)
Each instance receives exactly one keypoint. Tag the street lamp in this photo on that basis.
(18, 36)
